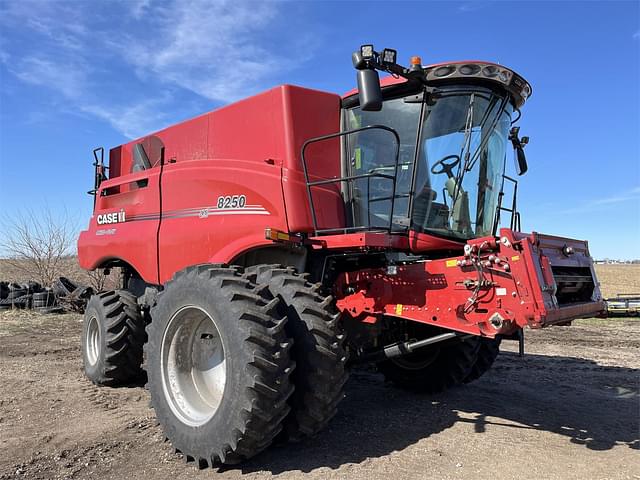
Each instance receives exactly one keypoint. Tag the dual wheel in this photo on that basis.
(235, 358)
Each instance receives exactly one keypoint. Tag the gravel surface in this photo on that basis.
(568, 409)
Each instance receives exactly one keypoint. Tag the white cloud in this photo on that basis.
(212, 49)
(70, 80)
(132, 120)
(138, 7)
(599, 204)
(636, 35)
(208, 48)
(633, 194)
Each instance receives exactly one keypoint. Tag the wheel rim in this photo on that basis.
(93, 341)
(193, 366)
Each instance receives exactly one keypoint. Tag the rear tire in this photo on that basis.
(433, 369)
(487, 353)
(218, 365)
(112, 339)
(318, 348)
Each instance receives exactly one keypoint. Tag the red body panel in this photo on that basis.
(438, 292)
(249, 149)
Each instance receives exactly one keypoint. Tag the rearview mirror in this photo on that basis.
(521, 161)
(369, 90)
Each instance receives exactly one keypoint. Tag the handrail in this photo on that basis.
(514, 224)
(350, 178)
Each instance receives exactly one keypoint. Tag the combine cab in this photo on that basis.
(270, 244)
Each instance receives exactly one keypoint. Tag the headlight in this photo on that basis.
(469, 69)
(515, 84)
(443, 71)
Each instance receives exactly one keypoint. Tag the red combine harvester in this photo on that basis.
(270, 244)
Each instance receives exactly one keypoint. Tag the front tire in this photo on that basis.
(433, 369)
(487, 354)
(112, 339)
(218, 365)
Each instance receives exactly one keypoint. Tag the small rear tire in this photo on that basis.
(112, 339)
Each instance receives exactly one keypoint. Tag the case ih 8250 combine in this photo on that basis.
(269, 244)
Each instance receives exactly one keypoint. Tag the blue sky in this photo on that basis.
(75, 75)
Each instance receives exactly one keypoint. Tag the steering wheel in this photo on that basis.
(446, 167)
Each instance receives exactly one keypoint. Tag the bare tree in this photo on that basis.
(97, 279)
(100, 281)
(38, 243)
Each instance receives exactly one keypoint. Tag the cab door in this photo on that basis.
(127, 213)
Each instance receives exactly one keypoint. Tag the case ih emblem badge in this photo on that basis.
(113, 217)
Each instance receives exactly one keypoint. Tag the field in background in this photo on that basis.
(69, 269)
(615, 279)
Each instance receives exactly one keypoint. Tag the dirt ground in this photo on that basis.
(568, 409)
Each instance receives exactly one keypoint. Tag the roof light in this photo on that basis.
(367, 51)
(516, 85)
(469, 69)
(416, 60)
(444, 71)
(490, 71)
(389, 56)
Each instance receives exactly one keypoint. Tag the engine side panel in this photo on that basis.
(227, 175)
(214, 210)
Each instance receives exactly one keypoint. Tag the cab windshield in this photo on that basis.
(461, 142)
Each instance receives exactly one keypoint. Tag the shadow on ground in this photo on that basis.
(592, 405)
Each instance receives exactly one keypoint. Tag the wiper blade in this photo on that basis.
(466, 144)
(469, 166)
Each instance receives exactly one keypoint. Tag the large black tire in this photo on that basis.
(44, 299)
(16, 291)
(487, 354)
(318, 348)
(33, 287)
(62, 286)
(245, 320)
(433, 369)
(24, 301)
(113, 336)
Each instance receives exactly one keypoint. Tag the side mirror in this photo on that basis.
(518, 146)
(521, 161)
(369, 90)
